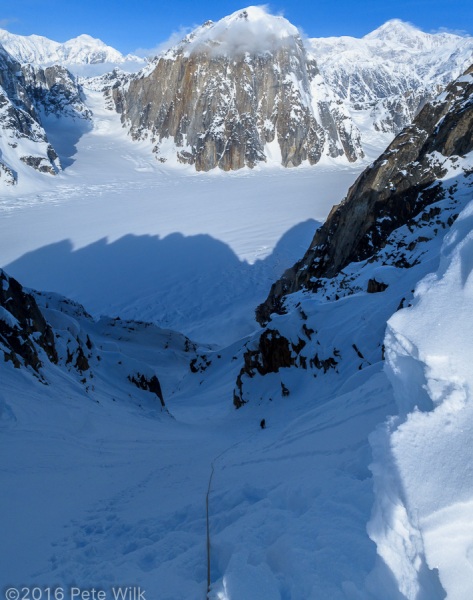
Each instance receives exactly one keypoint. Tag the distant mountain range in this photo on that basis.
(388, 75)
(243, 91)
(82, 50)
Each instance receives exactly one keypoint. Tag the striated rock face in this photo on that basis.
(399, 185)
(235, 93)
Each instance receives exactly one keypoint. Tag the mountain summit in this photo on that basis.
(385, 78)
(236, 93)
(251, 30)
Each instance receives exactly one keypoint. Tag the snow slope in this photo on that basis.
(430, 484)
(288, 505)
(103, 489)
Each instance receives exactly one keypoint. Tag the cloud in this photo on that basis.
(252, 30)
(8, 21)
(460, 32)
(173, 39)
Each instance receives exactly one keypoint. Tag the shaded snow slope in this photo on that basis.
(288, 505)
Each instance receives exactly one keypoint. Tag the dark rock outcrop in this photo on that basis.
(54, 90)
(150, 384)
(23, 329)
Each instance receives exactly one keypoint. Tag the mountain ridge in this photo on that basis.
(232, 88)
(42, 51)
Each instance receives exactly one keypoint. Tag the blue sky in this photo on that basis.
(145, 24)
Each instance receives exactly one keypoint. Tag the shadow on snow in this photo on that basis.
(194, 284)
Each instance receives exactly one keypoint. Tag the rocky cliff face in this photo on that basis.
(55, 91)
(23, 138)
(328, 313)
(396, 188)
(28, 94)
(24, 333)
(235, 93)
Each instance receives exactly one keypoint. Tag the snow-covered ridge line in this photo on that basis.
(388, 75)
(81, 51)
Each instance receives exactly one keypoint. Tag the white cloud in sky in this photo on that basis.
(6, 22)
(460, 32)
(173, 39)
(253, 29)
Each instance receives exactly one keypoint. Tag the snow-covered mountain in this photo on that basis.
(237, 93)
(30, 95)
(248, 89)
(82, 50)
(391, 192)
(386, 77)
(23, 141)
(325, 454)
